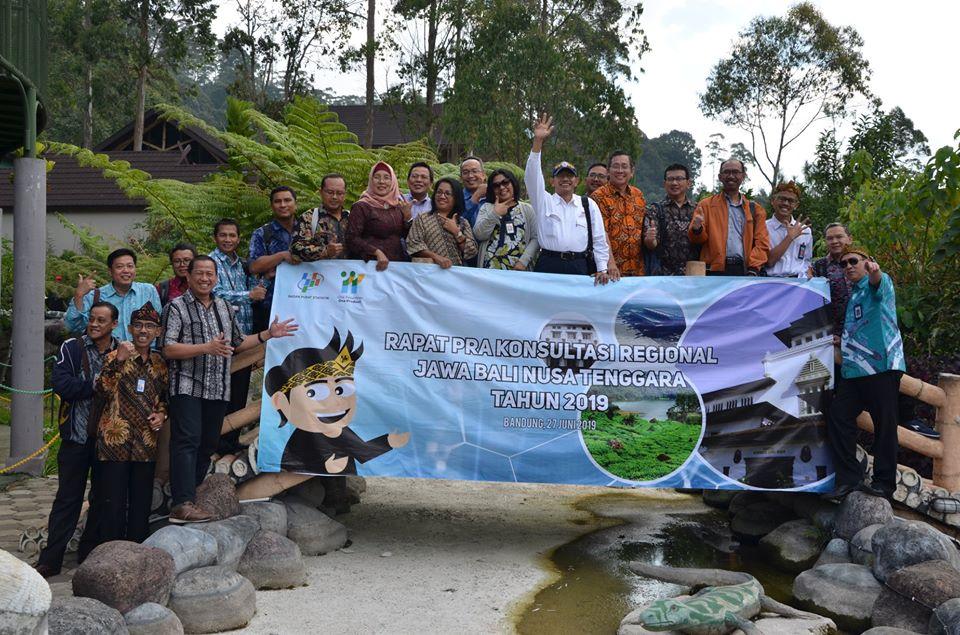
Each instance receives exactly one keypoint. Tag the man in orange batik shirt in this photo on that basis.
(623, 208)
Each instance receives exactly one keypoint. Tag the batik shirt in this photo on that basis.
(840, 288)
(233, 285)
(508, 239)
(623, 219)
(308, 246)
(187, 321)
(427, 233)
(871, 341)
(130, 391)
(139, 294)
(280, 240)
(673, 244)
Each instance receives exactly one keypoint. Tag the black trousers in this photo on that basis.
(548, 263)
(74, 462)
(194, 433)
(239, 387)
(261, 316)
(126, 492)
(878, 395)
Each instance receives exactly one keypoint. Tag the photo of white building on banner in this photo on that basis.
(770, 432)
(569, 329)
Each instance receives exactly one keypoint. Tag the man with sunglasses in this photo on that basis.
(872, 364)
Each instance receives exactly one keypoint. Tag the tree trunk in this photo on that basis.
(141, 77)
(87, 87)
(371, 50)
(432, 68)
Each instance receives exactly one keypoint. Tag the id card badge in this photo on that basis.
(141, 385)
(509, 228)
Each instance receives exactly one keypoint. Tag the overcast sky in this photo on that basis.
(908, 47)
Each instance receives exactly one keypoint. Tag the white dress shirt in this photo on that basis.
(795, 261)
(562, 226)
(419, 207)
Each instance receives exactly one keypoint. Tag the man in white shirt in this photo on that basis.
(419, 181)
(791, 241)
(563, 226)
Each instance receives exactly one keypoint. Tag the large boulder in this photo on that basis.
(793, 546)
(753, 522)
(837, 551)
(887, 630)
(945, 619)
(743, 499)
(818, 511)
(356, 485)
(271, 514)
(189, 547)
(861, 545)
(24, 596)
(792, 626)
(311, 491)
(232, 536)
(910, 592)
(153, 619)
(125, 575)
(313, 531)
(272, 561)
(859, 510)
(82, 616)
(899, 544)
(719, 498)
(218, 495)
(844, 592)
(213, 599)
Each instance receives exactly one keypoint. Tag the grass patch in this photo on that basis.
(637, 449)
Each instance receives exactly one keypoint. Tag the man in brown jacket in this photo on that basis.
(731, 229)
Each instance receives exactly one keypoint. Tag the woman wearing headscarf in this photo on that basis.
(379, 220)
(506, 229)
(443, 234)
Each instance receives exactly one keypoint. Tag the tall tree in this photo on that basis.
(783, 75)
(369, 55)
(657, 153)
(553, 56)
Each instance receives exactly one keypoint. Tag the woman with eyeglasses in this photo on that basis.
(506, 228)
(442, 234)
(379, 220)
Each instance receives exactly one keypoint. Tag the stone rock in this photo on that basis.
(232, 536)
(24, 596)
(859, 510)
(888, 630)
(82, 616)
(945, 619)
(789, 626)
(272, 561)
(153, 619)
(125, 575)
(189, 547)
(861, 545)
(899, 544)
(910, 591)
(218, 496)
(719, 498)
(311, 491)
(742, 499)
(356, 485)
(213, 599)
(271, 514)
(837, 551)
(314, 532)
(844, 592)
(753, 522)
(816, 510)
(793, 546)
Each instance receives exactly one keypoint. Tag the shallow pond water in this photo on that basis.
(595, 589)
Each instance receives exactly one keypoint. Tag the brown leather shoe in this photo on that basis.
(46, 570)
(189, 513)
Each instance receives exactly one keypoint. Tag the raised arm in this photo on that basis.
(532, 174)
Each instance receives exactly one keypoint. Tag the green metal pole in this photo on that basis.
(30, 116)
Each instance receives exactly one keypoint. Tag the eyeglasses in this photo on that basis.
(786, 199)
(731, 172)
(143, 326)
(181, 261)
(675, 179)
(597, 175)
(471, 172)
(443, 193)
(498, 184)
(850, 262)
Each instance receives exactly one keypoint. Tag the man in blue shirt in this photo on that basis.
(122, 292)
(872, 364)
(270, 245)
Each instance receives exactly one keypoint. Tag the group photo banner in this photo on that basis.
(489, 375)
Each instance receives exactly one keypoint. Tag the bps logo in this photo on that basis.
(309, 281)
(350, 282)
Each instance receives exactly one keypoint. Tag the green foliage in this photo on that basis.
(675, 146)
(635, 449)
(784, 74)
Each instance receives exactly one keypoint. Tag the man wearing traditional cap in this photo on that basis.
(132, 394)
(791, 241)
(872, 365)
(570, 230)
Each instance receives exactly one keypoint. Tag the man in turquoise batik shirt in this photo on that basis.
(872, 365)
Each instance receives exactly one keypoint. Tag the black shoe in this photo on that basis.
(46, 570)
(840, 491)
(874, 490)
(921, 428)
